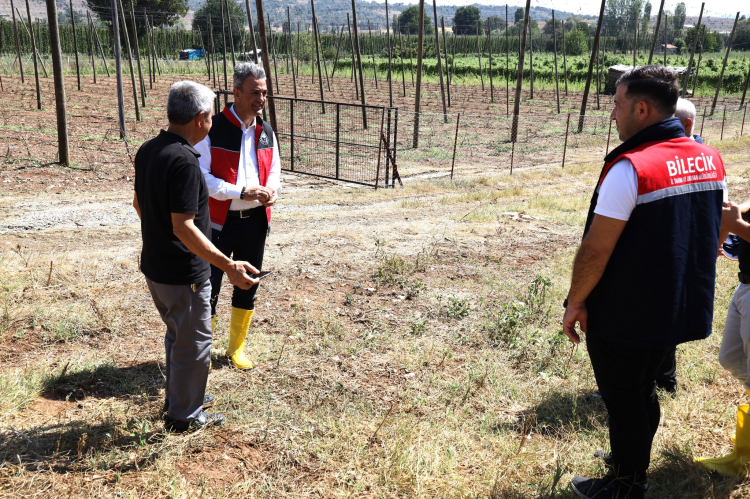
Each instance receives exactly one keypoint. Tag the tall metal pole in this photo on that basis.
(18, 40)
(692, 52)
(592, 61)
(118, 68)
(316, 40)
(75, 42)
(418, 91)
(34, 56)
(359, 64)
(656, 33)
(519, 77)
(724, 66)
(57, 71)
(440, 66)
(266, 63)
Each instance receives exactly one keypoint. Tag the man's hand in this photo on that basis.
(259, 193)
(573, 315)
(240, 274)
(272, 200)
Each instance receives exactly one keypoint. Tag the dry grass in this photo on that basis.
(408, 345)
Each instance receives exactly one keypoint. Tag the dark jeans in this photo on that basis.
(626, 376)
(241, 239)
(667, 377)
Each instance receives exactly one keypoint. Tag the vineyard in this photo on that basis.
(408, 342)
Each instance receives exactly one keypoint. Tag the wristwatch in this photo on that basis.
(242, 193)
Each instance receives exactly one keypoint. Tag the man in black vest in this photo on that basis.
(643, 278)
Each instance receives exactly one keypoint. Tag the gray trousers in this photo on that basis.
(187, 315)
(734, 354)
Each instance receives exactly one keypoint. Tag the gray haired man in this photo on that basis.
(685, 112)
(171, 199)
(241, 165)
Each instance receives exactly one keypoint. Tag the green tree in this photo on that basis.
(519, 15)
(679, 16)
(163, 12)
(496, 23)
(214, 8)
(646, 19)
(548, 29)
(577, 42)
(408, 21)
(465, 20)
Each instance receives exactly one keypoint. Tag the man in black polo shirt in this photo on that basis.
(171, 199)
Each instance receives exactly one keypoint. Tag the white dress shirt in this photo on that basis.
(247, 173)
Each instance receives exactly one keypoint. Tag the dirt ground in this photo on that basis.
(407, 345)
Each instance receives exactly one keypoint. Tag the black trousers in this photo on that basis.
(626, 376)
(667, 377)
(241, 239)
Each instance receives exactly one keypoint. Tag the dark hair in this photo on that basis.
(655, 84)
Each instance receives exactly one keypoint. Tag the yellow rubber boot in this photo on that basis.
(738, 460)
(238, 328)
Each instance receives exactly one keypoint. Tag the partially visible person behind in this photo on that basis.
(644, 275)
(735, 345)
(171, 199)
(685, 112)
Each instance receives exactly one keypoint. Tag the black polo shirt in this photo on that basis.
(169, 180)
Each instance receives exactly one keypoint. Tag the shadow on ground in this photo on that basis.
(105, 381)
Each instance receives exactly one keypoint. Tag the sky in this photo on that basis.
(725, 8)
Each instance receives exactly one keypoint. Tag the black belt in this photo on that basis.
(744, 277)
(245, 213)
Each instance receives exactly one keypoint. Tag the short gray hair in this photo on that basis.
(245, 70)
(187, 100)
(685, 109)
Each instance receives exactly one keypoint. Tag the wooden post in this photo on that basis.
(531, 62)
(744, 114)
(75, 43)
(692, 52)
(149, 53)
(130, 61)
(440, 66)
(507, 62)
(724, 65)
(63, 151)
(700, 56)
(316, 40)
(455, 143)
(354, 58)
(598, 74)
(18, 40)
(118, 68)
(252, 35)
(565, 62)
(212, 45)
(666, 31)
(447, 71)
(101, 49)
(703, 122)
(154, 47)
(338, 47)
(418, 91)
(519, 78)
(489, 58)
(34, 56)
(206, 55)
(91, 47)
(401, 52)
(291, 50)
(372, 52)
(224, 51)
(565, 146)
(138, 51)
(554, 48)
(744, 89)
(266, 62)
(592, 61)
(411, 60)
(723, 119)
(656, 33)
(609, 134)
(479, 56)
(273, 52)
(231, 34)
(390, 55)
(359, 65)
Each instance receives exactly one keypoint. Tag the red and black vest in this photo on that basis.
(226, 145)
(658, 287)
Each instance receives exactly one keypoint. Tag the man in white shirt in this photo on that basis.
(241, 165)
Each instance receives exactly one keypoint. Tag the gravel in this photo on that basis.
(67, 215)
